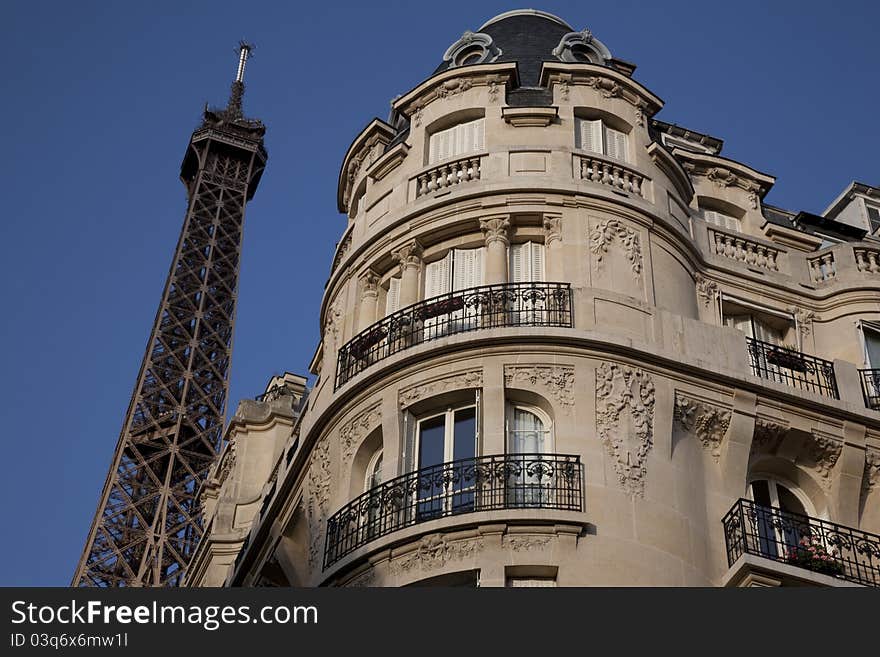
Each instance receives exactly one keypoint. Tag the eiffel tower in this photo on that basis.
(148, 520)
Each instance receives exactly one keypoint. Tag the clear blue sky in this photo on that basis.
(98, 102)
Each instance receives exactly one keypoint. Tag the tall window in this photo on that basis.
(528, 437)
(871, 335)
(873, 218)
(781, 530)
(598, 137)
(458, 270)
(392, 299)
(441, 439)
(526, 262)
(528, 431)
(456, 141)
(756, 327)
(374, 505)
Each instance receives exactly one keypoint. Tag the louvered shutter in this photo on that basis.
(517, 263)
(591, 135)
(392, 300)
(615, 144)
(479, 135)
(741, 322)
(536, 262)
(437, 277)
(467, 268)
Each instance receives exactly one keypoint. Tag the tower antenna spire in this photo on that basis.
(234, 108)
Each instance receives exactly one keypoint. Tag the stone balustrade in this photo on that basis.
(822, 268)
(609, 172)
(744, 250)
(867, 260)
(448, 174)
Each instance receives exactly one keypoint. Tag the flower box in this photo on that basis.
(441, 307)
(788, 359)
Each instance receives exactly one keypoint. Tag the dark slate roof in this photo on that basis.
(528, 40)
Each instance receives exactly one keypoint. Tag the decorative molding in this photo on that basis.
(804, 320)
(871, 476)
(408, 256)
(523, 542)
(558, 380)
(529, 117)
(495, 84)
(227, 463)
(369, 283)
(721, 177)
(552, 229)
(319, 498)
(495, 230)
(461, 381)
(707, 421)
(365, 579)
(768, 434)
(333, 324)
(707, 290)
(624, 421)
(825, 450)
(368, 153)
(354, 431)
(605, 233)
(341, 252)
(434, 551)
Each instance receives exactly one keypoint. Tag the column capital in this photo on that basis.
(552, 228)
(495, 229)
(408, 255)
(369, 283)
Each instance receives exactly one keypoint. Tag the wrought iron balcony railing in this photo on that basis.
(810, 543)
(484, 483)
(871, 388)
(484, 307)
(793, 368)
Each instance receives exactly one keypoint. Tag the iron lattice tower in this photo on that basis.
(149, 519)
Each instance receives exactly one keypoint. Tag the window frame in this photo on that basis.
(604, 128)
(476, 145)
(540, 413)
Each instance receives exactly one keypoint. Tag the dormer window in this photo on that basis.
(598, 137)
(873, 218)
(721, 220)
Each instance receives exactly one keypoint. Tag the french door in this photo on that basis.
(444, 487)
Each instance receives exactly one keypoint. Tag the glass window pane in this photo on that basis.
(465, 434)
(872, 347)
(431, 439)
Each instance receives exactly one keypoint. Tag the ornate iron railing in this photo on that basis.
(793, 368)
(871, 388)
(484, 307)
(484, 483)
(810, 543)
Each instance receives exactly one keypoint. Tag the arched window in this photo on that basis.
(528, 430)
(530, 483)
(374, 471)
(780, 521)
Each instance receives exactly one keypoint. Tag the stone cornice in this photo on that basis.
(364, 147)
(388, 162)
(456, 80)
(724, 172)
(673, 170)
(607, 81)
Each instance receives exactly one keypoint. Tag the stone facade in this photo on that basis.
(654, 367)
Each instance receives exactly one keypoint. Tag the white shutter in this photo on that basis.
(479, 135)
(591, 135)
(722, 220)
(536, 262)
(467, 268)
(516, 263)
(741, 322)
(437, 277)
(615, 143)
(766, 333)
(392, 300)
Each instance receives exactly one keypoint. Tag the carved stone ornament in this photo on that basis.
(341, 252)
(609, 230)
(552, 229)
(496, 84)
(355, 430)
(557, 380)
(408, 255)
(523, 542)
(804, 320)
(768, 435)
(706, 421)
(625, 421)
(434, 551)
(495, 230)
(365, 579)
(370, 283)
(333, 325)
(227, 463)
(871, 476)
(605, 86)
(319, 497)
(368, 153)
(461, 381)
(721, 177)
(824, 451)
(707, 290)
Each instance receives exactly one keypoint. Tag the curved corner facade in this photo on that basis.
(565, 343)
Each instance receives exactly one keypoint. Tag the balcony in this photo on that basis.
(871, 388)
(484, 307)
(809, 543)
(448, 174)
(793, 368)
(484, 483)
